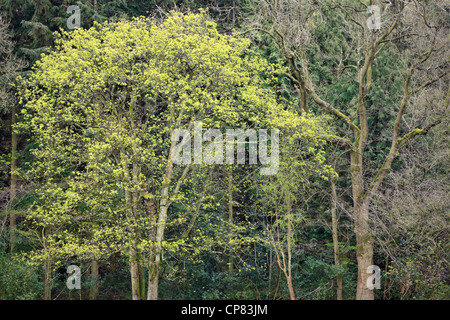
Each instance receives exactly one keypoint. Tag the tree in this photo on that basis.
(415, 30)
(284, 197)
(103, 107)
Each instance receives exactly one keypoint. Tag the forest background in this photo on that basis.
(357, 89)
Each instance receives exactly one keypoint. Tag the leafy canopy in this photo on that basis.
(102, 107)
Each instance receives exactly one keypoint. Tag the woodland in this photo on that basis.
(350, 98)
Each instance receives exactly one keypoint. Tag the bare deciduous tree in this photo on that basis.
(414, 29)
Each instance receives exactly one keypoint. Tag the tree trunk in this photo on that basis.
(47, 280)
(291, 287)
(137, 285)
(153, 279)
(364, 249)
(152, 293)
(230, 213)
(93, 292)
(153, 272)
(289, 250)
(334, 222)
(137, 276)
(47, 266)
(13, 184)
(156, 259)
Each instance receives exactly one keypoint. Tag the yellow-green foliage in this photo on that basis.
(101, 108)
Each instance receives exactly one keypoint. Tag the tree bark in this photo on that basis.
(289, 252)
(364, 248)
(47, 267)
(93, 292)
(230, 212)
(156, 259)
(291, 288)
(153, 277)
(135, 279)
(47, 280)
(334, 231)
(364, 251)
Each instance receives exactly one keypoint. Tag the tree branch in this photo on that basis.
(401, 141)
(392, 153)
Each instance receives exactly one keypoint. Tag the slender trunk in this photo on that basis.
(156, 259)
(291, 287)
(230, 212)
(135, 262)
(137, 276)
(153, 277)
(93, 291)
(364, 248)
(136, 271)
(141, 278)
(334, 222)
(270, 271)
(135, 279)
(47, 280)
(137, 234)
(13, 184)
(284, 263)
(364, 251)
(152, 293)
(47, 267)
(289, 251)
